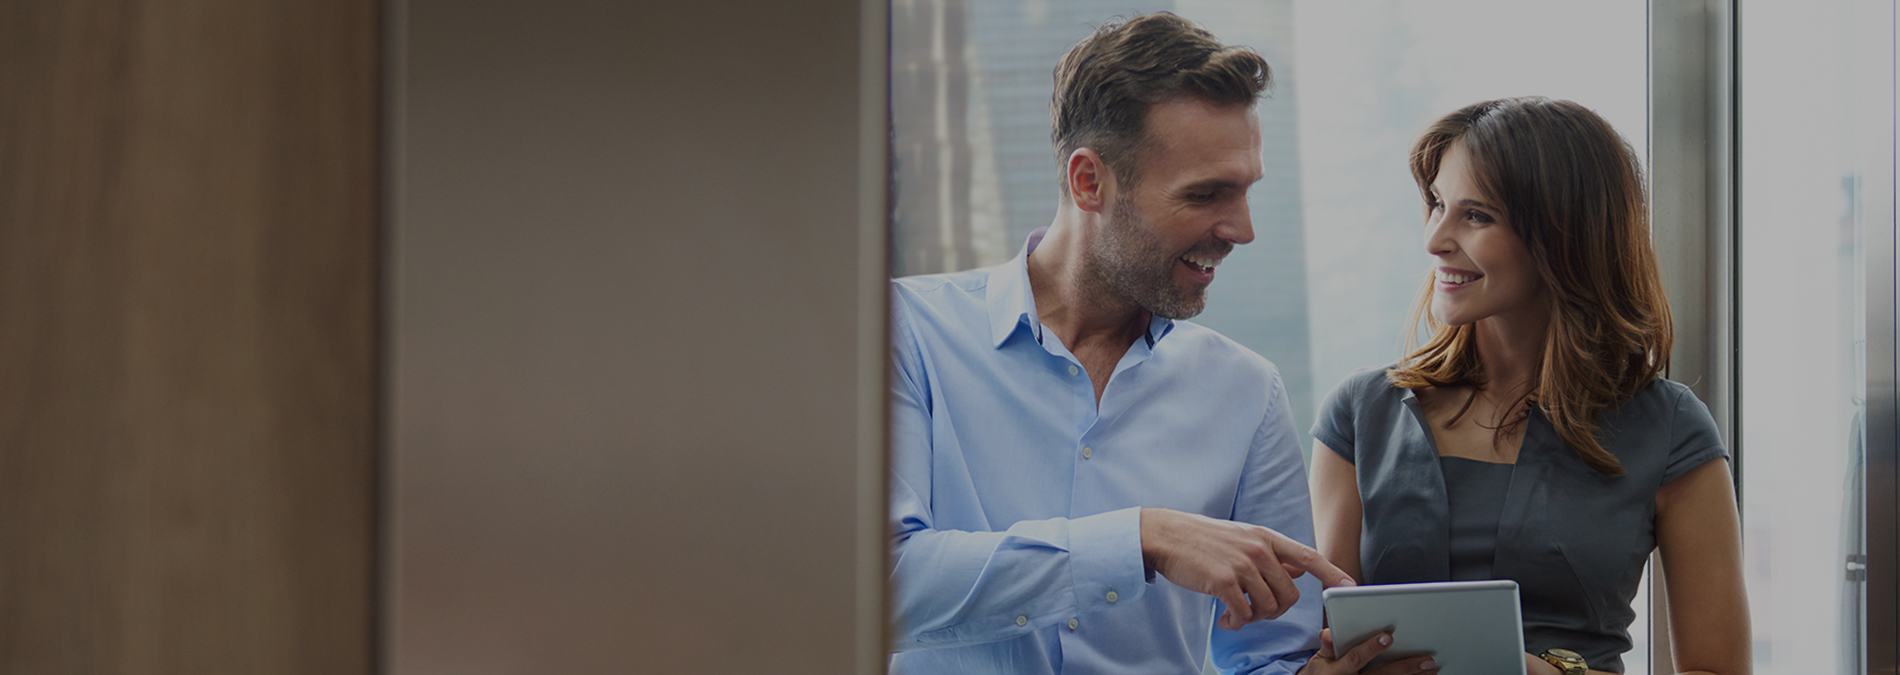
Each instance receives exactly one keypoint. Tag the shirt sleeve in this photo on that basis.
(1333, 425)
(1694, 438)
(952, 588)
(1273, 494)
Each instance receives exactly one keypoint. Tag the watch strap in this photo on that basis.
(1565, 660)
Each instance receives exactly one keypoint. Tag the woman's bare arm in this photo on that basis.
(1337, 511)
(1699, 532)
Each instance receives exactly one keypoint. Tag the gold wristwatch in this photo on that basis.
(1565, 660)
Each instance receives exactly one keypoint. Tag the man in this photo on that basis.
(1081, 479)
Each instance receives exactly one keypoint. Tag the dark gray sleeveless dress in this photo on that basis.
(1574, 540)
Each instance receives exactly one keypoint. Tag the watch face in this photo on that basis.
(1568, 661)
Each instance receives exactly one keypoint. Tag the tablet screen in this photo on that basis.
(1466, 626)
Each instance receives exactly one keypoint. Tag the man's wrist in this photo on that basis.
(1150, 533)
(1152, 529)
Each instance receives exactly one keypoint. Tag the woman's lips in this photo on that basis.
(1449, 277)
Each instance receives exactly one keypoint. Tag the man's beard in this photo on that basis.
(1132, 265)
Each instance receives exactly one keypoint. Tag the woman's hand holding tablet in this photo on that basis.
(1329, 662)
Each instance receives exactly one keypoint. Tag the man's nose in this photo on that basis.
(1238, 228)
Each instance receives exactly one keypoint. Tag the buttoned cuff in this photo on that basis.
(1105, 559)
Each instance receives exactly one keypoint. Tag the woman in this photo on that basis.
(1532, 436)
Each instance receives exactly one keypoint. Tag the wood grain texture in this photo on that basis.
(188, 274)
(624, 354)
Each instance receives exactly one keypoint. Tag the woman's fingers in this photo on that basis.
(1417, 665)
(1364, 652)
(1355, 659)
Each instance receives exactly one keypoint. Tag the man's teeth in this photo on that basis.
(1450, 278)
(1206, 263)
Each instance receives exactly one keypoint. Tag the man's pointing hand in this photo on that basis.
(1249, 567)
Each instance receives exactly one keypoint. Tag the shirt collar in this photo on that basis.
(1158, 328)
(1012, 302)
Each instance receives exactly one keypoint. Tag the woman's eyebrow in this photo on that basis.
(1433, 189)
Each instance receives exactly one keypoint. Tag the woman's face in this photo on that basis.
(1481, 268)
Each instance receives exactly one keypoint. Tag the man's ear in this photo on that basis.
(1091, 183)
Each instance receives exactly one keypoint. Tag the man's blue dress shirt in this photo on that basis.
(1015, 501)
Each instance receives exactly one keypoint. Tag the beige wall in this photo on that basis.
(188, 266)
(627, 363)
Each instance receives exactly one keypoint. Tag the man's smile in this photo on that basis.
(1202, 264)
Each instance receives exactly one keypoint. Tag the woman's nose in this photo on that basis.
(1438, 239)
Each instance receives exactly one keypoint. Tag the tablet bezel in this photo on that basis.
(1446, 619)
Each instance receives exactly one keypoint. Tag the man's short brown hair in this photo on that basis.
(1107, 83)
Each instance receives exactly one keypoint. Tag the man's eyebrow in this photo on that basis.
(1212, 184)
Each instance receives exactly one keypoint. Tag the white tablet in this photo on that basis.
(1467, 626)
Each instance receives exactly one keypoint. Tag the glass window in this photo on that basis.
(1815, 126)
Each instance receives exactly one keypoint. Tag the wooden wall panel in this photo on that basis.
(626, 365)
(188, 355)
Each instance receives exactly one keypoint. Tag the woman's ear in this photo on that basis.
(1091, 184)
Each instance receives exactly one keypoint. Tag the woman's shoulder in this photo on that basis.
(1362, 403)
(1661, 397)
(1665, 427)
(1665, 388)
(1368, 385)
(1373, 376)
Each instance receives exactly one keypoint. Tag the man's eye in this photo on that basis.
(1200, 197)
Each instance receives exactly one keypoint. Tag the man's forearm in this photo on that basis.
(955, 588)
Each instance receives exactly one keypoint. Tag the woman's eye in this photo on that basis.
(1480, 217)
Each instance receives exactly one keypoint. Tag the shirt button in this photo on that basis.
(1072, 624)
(1072, 369)
(1022, 620)
(1113, 597)
(1088, 452)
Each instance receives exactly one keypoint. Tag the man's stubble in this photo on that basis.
(1131, 265)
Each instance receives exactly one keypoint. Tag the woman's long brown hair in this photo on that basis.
(1573, 191)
